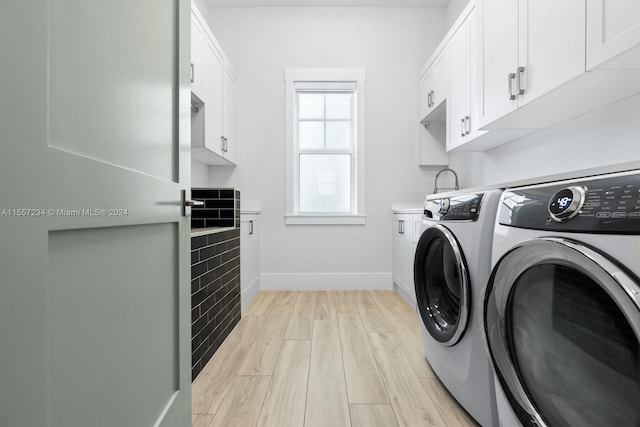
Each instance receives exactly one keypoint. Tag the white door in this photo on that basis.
(498, 58)
(613, 27)
(552, 45)
(197, 56)
(213, 96)
(230, 114)
(458, 97)
(94, 280)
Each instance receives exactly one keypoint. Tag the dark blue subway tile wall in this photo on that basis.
(215, 273)
(221, 208)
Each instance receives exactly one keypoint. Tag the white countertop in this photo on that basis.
(195, 232)
(250, 211)
(401, 208)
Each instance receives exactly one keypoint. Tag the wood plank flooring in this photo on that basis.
(324, 358)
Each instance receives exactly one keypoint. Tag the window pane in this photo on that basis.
(339, 135)
(311, 134)
(310, 106)
(339, 105)
(325, 183)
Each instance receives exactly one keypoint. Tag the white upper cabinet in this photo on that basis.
(433, 87)
(613, 31)
(551, 45)
(213, 117)
(197, 55)
(498, 49)
(213, 94)
(527, 48)
(230, 126)
(462, 114)
(433, 93)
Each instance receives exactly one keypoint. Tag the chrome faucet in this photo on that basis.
(435, 186)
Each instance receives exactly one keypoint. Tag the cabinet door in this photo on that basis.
(197, 55)
(498, 51)
(552, 45)
(244, 254)
(613, 27)
(254, 251)
(425, 83)
(396, 249)
(458, 97)
(230, 115)
(440, 78)
(213, 96)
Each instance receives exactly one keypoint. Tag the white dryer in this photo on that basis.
(562, 309)
(451, 267)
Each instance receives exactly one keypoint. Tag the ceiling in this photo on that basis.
(332, 3)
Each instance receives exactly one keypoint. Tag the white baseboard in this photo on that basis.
(326, 281)
(406, 294)
(249, 294)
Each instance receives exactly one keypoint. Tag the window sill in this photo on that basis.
(324, 219)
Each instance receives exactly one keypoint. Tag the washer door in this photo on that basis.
(442, 284)
(562, 324)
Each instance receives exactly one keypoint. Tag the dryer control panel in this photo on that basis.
(457, 208)
(602, 204)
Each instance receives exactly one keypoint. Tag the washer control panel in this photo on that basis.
(566, 203)
(602, 204)
(455, 208)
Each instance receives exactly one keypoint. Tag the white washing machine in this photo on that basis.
(562, 308)
(451, 267)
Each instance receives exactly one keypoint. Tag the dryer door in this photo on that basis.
(442, 284)
(562, 324)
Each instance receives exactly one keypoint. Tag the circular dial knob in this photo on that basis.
(566, 203)
(444, 206)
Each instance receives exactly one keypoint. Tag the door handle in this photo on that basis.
(510, 78)
(522, 84)
(461, 127)
(222, 143)
(250, 228)
(187, 203)
(193, 73)
(467, 125)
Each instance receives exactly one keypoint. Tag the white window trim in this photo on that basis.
(302, 76)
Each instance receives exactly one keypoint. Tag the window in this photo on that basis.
(325, 146)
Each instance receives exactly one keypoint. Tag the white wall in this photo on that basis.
(603, 138)
(199, 174)
(454, 8)
(392, 44)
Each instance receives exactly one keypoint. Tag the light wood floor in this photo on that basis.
(325, 358)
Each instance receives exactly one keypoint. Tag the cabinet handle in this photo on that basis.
(461, 127)
(467, 125)
(193, 73)
(429, 99)
(433, 98)
(226, 144)
(250, 228)
(222, 144)
(401, 226)
(510, 78)
(521, 81)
